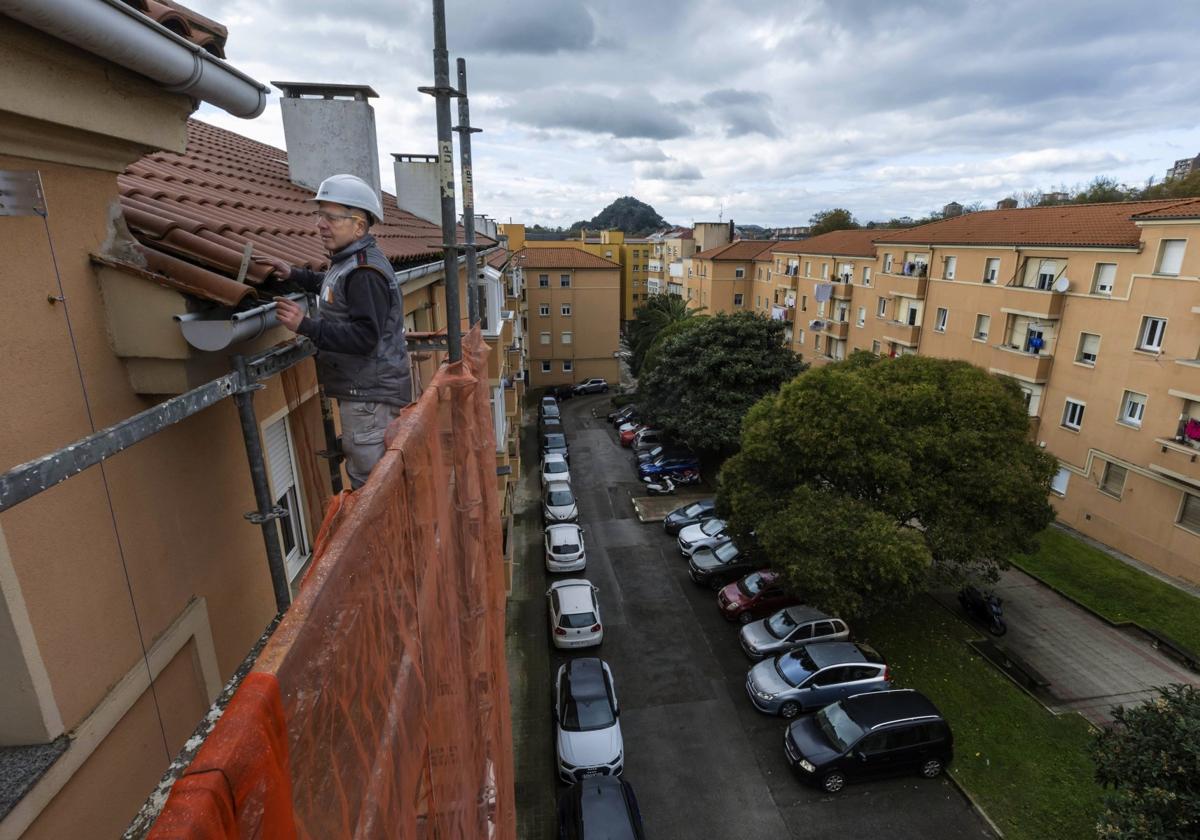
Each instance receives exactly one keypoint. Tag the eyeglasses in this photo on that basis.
(333, 217)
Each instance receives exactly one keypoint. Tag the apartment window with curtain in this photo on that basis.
(875, 347)
(566, 337)
(1073, 414)
(1113, 480)
(1089, 349)
(881, 308)
(1058, 484)
(866, 275)
(544, 309)
(887, 263)
(1104, 278)
(566, 309)
(824, 271)
(817, 343)
(739, 273)
(862, 316)
(1170, 256)
(983, 325)
(808, 268)
(939, 321)
(1133, 408)
(545, 337)
(738, 298)
(803, 303)
(951, 265)
(568, 366)
(991, 269)
(1150, 338)
(1189, 513)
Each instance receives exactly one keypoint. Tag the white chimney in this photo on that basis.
(329, 130)
(418, 186)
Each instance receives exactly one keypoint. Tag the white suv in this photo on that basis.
(587, 729)
(574, 614)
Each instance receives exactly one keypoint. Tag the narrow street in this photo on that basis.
(703, 762)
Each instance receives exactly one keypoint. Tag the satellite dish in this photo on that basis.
(1061, 284)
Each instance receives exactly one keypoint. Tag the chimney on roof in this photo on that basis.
(328, 130)
(951, 210)
(418, 186)
(1006, 204)
(486, 226)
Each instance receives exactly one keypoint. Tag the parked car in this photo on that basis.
(549, 408)
(599, 806)
(549, 399)
(562, 392)
(565, 551)
(813, 676)
(874, 734)
(701, 535)
(555, 468)
(719, 565)
(689, 514)
(646, 456)
(587, 721)
(647, 439)
(757, 594)
(788, 629)
(595, 385)
(627, 433)
(620, 415)
(550, 425)
(558, 503)
(555, 443)
(574, 614)
(669, 466)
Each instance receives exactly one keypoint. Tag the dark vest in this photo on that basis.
(383, 374)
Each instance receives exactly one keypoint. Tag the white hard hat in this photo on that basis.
(350, 191)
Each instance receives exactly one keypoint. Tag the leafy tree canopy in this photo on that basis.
(825, 221)
(706, 376)
(649, 321)
(864, 478)
(1150, 760)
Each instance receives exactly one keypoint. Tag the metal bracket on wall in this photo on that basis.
(257, 518)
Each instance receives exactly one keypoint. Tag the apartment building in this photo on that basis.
(573, 321)
(723, 279)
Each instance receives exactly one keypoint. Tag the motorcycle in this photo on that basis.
(660, 487)
(686, 477)
(984, 607)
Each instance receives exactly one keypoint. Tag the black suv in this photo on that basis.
(689, 514)
(881, 733)
(599, 806)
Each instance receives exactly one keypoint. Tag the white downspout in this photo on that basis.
(124, 36)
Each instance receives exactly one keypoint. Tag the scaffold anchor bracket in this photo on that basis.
(258, 518)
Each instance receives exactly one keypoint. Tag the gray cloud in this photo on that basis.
(625, 153)
(522, 26)
(630, 116)
(670, 170)
(741, 112)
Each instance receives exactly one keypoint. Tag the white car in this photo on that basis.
(555, 468)
(574, 614)
(558, 504)
(587, 725)
(564, 548)
(706, 534)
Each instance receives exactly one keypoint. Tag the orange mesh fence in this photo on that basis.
(389, 667)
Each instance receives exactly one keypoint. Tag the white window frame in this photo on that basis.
(985, 321)
(568, 365)
(739, 273)
(1081, 353)
(543, 281)
(738, 299)
(547, 366)
(1069, 404)
(564, 281)
(1101, 285)
(888, 261)
(1133, 409)
(1058, 484)
(876, 347)
(881, 308)
(544, 310)
(1150, 336)
(565, 310)
(862, 317)
(566, 337)
(991, 270)
(1170, 257)
(544, 338)
(866, 275)
(940, 318)
(949, 267)
(824, 271)
(280, 450)
(808, 268)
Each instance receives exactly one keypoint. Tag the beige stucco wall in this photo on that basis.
(594, 323)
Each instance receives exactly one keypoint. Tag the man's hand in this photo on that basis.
(289, 313)
(282, 269)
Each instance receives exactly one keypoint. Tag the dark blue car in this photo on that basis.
(599, 806)
(668, 466)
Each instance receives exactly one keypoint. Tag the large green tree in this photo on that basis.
(1150, 761)
(862, 480)
(650, 320)
(705, 377)
(824, 221)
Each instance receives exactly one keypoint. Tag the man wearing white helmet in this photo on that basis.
(358, 327)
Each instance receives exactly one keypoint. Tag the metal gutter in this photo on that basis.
(121, 34)
(216, 330)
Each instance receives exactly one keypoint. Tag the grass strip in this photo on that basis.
(1027, 768)
(1113, 589)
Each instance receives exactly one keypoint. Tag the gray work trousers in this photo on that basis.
(364, 425)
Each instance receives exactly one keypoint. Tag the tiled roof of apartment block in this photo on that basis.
(1079, 225)
(189, 25)
(836, 243)
(498, 257)
(561, 258)
(194, 213)
(739, 251)
(1188, 208)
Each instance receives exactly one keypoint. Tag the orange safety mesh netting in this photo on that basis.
(388, 671)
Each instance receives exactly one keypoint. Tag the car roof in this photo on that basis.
(562, 532)
(558, 485)
(824, 654)
(602, 807)
(801, 614)
(574, 595)
(550, 457)
(876, 708)
(549, 435)
(586, 677)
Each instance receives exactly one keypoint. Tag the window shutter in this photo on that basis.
(1114, 479)
(1172, 256)
(1106, 276)
(1189, 515)
(279, 457)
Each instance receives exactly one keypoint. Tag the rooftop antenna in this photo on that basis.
(721, 213)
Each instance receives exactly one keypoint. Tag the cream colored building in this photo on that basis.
(722, 279)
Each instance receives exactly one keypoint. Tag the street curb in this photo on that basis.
(975, 804)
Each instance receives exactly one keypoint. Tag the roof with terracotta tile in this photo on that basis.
(1188, 208)
(836, 243)
(740, 251)
(498, 257)
(204, 206)
(1078, 225)
(187, 24)
(529, 258)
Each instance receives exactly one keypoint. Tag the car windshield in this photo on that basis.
(559, 498)
(712, 527)
(780, 624)
(726, 553)
(752, 584)
(795, 667)
(577, 620)
(554, 441)
(838, 727)
(693, 510)
(556, 467)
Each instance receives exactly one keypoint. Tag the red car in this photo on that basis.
(628, 435)
(756, 595)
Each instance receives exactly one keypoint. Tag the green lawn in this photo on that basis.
(1027, 768)
(1113, 589)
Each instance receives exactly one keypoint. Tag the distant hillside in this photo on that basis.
(635, 218)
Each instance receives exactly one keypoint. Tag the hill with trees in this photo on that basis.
(635, 218)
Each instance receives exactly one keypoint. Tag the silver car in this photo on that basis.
(555, 468)
(789, 628)
(564, 548)
(705, 534)
(813, 676)
(558, 505)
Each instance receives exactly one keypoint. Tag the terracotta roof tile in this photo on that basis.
(205, 205)
(561, 258)
(1094, 225)
(739, 251)
(498, 257)
(1188, 208)
(837, 243)
(189, 25)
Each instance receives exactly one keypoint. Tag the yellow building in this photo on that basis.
(722, 279)
(573, 314)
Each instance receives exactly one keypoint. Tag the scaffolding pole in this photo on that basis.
(465, 130)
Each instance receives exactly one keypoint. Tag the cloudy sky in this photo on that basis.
(764, 112)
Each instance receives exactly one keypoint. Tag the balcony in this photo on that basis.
(837, 329)
(901, 333)
(1019, 364)
(842, 290)
(1020, 300)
